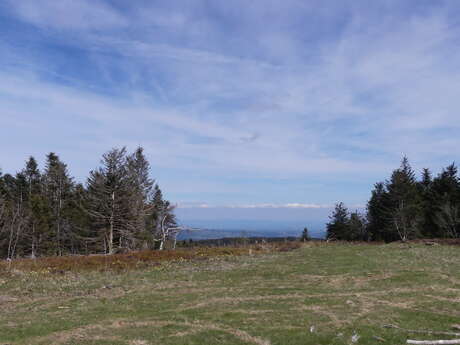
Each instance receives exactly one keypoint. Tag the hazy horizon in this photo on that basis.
(276, 220)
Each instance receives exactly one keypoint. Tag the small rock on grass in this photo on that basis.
(354, 338)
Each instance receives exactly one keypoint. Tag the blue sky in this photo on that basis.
(255, 107)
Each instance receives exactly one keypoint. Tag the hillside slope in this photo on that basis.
(318, 294)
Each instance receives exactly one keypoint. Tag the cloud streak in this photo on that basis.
(68, 14)
(255, 206)
(324, 93)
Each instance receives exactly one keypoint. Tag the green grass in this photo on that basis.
(272, 298)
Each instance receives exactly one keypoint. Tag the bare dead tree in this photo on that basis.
(168, 233)
(3, 221)
(448, 219)
(15, 224)
(404, 220)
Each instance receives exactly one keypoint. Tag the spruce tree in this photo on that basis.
(46, 213)
(403, 207)
(427, 202)
(109, 198)
(38, 206)
(358, 230)
(58, 188)
(377, 213)
(446, 208)
(141, 186)
(338, 226)
(305, 235)
(16, 215)
(33, 176)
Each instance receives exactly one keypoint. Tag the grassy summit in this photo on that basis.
(268, 298)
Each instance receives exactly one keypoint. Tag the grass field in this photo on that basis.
(264, 298)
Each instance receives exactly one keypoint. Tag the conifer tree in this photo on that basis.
(46, 213)
(3, 216)
(338, 226)
(403, 208)
(358, 230)
(162, 217)
(109, 200)
(427, 200)
(38, 227)
(446, 208)
(141, 186)
(377, 213)
(33, 176)
(305, 235)
(84, 236)
(16, 214)
(58, 188)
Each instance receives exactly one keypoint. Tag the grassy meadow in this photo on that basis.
(319, 293)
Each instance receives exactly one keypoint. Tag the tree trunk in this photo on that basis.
(112, 215)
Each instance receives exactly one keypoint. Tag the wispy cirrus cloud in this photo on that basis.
(68, 14)
(325, 93)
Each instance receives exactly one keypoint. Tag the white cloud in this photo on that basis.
(250, 97)
(68, 14)
(252, 206)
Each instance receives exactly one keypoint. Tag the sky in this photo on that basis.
(256, 110)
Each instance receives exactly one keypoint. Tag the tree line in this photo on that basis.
(404, 208)
(120, 207)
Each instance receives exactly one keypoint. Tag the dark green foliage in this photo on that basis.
(338, 225)
(376, 213)
(345, 226)
(403, 208)
(109, 200)
(305, 235)
(58, 188)
(403, 204)
(47, 213)
(357, 227)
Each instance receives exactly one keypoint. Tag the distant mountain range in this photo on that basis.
(208, 234)
(215, 223)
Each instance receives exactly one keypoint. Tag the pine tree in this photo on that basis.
(38, 227)
(403, 208)
(33, 176)
(46, 213)
(358, 230)
(447, 186)
(446, 206)
(338, 227)
(427, 223)
(141, 186)
(83, 237)
(427, 179)
(58, 189)
(109, 198)
(377, 213)
(162, 217)
(305, 235)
